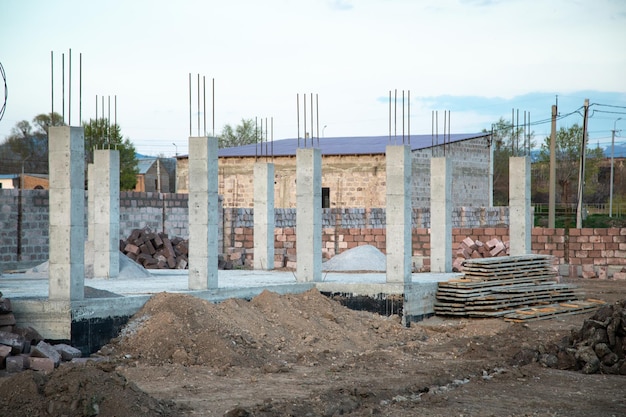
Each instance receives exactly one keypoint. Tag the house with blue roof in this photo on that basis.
(155, 175)
(353, 169)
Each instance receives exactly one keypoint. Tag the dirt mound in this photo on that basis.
(269, 331)
(78, 390)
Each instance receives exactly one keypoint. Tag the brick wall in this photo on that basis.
(25, 215)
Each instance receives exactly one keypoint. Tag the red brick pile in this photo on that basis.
(156, 250)
(23, 348)
(475, 249)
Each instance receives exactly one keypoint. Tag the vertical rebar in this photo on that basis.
(198, 105)
(213, 106)
(403, 117)
(80, 89)
(389, 141)
(69, 89)
(445, 118)
(189, 104)
(409, 111)
(317, 115)
(272, 138)
(204, 102)
(432, 133)
(256, 138)
(298, 116)
(312, 128)
(305, 133)
(63, 86)
(109, 121)
(449, 138)
(395, 115)
(51, 86)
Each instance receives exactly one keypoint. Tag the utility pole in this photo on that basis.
(612, 155)
(581, 170)
(552, 186)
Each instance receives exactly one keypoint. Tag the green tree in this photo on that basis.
(507, 141)
(567, 149)
(100, 134)
(242, 134)
(28, 144)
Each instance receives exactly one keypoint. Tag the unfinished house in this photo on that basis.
(353, 170)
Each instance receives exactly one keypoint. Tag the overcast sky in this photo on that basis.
(477, 58)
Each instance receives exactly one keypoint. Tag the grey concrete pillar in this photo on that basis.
(91, 187)
(309, 214)
(398, 214)
(440, 215)
(66, 154)
(106, 207)
(203, 213)
(263, 215)
(520, 215)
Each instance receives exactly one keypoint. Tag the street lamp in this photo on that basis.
(176, 147)
(324, 128)
(612, 155)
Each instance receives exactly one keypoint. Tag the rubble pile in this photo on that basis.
(598, 347)
(156, 250)
(475, 249)
(24, 348)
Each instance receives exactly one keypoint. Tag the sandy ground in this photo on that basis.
(306, 355)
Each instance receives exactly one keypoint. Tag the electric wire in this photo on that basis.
(6, 91)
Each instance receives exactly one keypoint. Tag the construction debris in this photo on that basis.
(494, 287)
(24, 348)
(598, 347)
(475, 249)
(156, 250)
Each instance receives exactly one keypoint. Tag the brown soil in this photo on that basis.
(306, 355)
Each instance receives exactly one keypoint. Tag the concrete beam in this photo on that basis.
(263, 215)
(203, 213)
(309, 214)
(398, 213)
(66, 147)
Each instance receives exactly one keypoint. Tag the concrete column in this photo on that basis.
(398, 214)
(520, 216)
(91, 187)
(263, 215)
(309, 214)
(440, 215)
(203, 213)
(66, 155)
(106, 206)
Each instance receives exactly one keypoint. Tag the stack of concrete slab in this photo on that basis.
(493, 287)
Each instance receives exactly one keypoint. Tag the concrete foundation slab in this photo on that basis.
(91, 322)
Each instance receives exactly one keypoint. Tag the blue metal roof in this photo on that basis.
(144, 164)
(361, 145)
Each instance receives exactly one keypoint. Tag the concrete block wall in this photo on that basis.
(33, 224)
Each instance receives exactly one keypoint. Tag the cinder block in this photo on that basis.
(45, 350)
(41, 364)
(15, 364)
(67, 352)
(5, 351)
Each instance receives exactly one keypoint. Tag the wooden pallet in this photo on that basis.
(552, 310)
